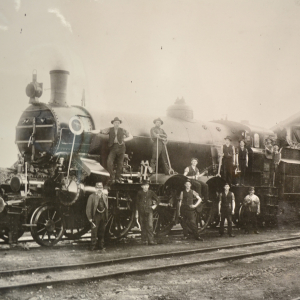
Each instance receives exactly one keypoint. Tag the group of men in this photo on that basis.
(147, 200)
(226, 210)
(117, 136)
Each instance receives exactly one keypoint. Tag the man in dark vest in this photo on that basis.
(146, 202)
(193, 173)
(159, 139)
(228, 159)
(116, 143)
(97, 214)
(226, 209)
(242, 161)
(188, 211)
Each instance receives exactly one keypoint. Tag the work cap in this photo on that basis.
(98, 184)
(146, 181)
(116, 119)
(158, 119)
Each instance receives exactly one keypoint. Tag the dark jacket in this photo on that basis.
(226, 201)
(112, 135)
(92, 205)
(144, 201)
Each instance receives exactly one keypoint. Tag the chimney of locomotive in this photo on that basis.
(180, 110)
(59, 80)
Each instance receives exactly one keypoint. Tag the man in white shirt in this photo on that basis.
(252, 210)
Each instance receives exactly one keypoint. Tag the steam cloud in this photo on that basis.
(61, 17)
(17, 4)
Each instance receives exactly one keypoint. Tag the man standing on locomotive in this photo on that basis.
(97, 214)
(226, 209)
(116, 142)
(252, 209)
(192, 172)
(159, 139)
(228, 159)
(242, 161)
(188, 211)
(146, 202)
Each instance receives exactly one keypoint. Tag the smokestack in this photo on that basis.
(59, 80)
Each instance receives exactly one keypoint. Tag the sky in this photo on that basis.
(234, 58)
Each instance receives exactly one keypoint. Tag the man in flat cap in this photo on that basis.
(252, 209)
(228, 160)
(188, 211)
(146, 202)
(159, 139)
(116, 143)
(97, 214)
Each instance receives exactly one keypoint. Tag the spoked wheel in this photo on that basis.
(76, 223)
(77, 233)
(163, 219)
(120, 215)
(204, 214)
(49, 225)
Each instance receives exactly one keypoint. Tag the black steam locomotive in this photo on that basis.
(61, 159)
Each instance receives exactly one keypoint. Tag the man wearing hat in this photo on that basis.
(228, 159)
(159, 138)
(193, 173)
(146, 202)
(97, 214)
(188, 210)
(252, 209)
(116, 143)
(226, 209)
(268, 162)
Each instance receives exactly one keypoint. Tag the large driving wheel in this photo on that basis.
(48, 226)
(204, 214)
(163, 219)
(120, 215)
(242, 217)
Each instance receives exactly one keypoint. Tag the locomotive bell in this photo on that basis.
(59, 80)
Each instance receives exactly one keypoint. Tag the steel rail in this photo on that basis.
(148, 269)
(137, 258)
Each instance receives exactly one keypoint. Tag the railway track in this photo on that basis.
(106, 269)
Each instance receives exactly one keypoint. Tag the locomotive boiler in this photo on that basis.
(61, 158)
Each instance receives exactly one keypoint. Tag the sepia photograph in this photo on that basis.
(150, 149)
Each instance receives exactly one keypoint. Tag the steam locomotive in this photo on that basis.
(61, 159)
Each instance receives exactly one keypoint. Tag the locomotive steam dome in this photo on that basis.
(180, 110)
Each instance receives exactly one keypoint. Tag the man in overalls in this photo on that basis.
(188, 211)
(226, 209)
(228, 159)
